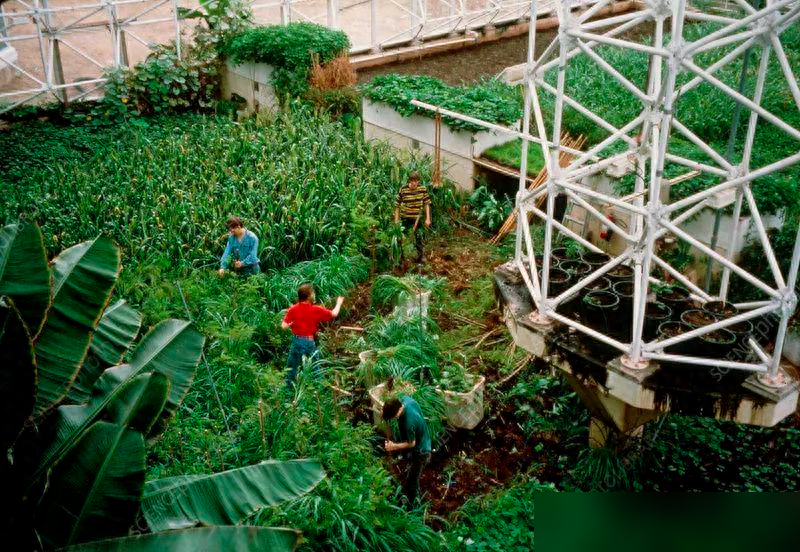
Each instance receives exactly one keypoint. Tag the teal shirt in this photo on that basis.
(413, 427)
(245, 250)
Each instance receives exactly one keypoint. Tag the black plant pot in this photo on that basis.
(689, 347)
(560, 253)
(677, 299)
(595, 259)
(558, 281)
(719, 309)
(717, 344)
(741, 350)
(696, 318)
(540, 262)
(654, 314)
(600, 284)
(578, 269)
(620, 273)
(624, 291)
(599, 311)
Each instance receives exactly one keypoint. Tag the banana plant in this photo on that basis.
(78, 405)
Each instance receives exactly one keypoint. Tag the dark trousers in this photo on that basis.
(418, 462)
(300, 348)
(417, 233)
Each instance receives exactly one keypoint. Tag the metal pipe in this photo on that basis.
(602, 39)
(758, 14)
(703, 330)
(696, 165)
(588, 331)
(603, 197)
(728, 91)
(758, 173)
(790, 300)
(713, 362)
(526, 122)
(705, 249)
(681, 278)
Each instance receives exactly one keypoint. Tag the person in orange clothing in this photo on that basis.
(302, 319)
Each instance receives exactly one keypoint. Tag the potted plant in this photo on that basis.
(600, 284)
(742, 330)
(409, 294)
(578, 269)
(624, 290)
(558, 282)
(696, 318)
(717, 344)
(595, 259)
(670, 329)
(620, 273)
(560, 253)
(719, 309)
(676, 297)
(462, 393)
(599, 310)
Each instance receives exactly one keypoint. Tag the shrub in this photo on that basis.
(490, 100)
(291, 49)
(162, 83)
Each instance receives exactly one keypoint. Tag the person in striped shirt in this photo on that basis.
(413, 211)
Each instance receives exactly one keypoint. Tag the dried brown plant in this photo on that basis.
(336, 74)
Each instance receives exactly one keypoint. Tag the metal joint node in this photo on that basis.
(788, 302)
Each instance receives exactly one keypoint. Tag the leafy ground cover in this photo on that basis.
(490, 100)
(190, 173)
(510, 152)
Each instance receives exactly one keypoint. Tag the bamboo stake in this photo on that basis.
(564, 158)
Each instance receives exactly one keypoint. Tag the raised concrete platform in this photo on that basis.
(625, 399)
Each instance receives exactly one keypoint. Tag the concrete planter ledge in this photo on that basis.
(251, 81)
(416, 132)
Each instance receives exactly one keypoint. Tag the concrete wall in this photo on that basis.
(252, 81)
(458, 147)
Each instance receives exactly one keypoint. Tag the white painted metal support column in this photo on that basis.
(789, 303)
(176, 21)
(286, 12)
(333, 14)
(373, 26)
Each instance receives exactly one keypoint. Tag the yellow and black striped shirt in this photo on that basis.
(411, 202)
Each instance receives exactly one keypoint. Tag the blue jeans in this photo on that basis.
(300, 348)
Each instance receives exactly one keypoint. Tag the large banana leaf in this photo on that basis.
(85, 275)
(172, 348)
(227, 497)
(17, 375)
(112, 338)
(95, 492)
(24, 274)
(242, 538)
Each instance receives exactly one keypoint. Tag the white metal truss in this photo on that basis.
(47, 31)
(673, 70)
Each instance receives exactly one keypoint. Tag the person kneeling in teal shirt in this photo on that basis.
(242, 249)
(415, 436)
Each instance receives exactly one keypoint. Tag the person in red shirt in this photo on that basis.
(303, 318)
